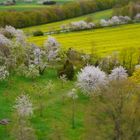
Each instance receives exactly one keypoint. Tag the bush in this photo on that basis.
(49, 2)
(38, 33)
(67, 70)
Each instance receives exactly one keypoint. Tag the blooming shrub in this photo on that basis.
(137, 17)
(32, 72)
(118, 74)
(79, 25)
(3, 73)
(115, 20)
(52, 48)
(23, 106)
(4, 41)
(91, 79)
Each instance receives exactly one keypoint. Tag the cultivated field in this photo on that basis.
(104, 41)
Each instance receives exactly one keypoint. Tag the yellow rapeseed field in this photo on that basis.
(104, 41)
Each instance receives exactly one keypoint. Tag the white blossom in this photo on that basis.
(103, 22)
(18, 34)
(72, 94)
(20, 37)
(118, 73)
(10, 30)
(91, 79)
(81, 25)
(3, 73)
(4, 41)
(23, 106)
(51, 43)
(52, 47)
(37, 55)
(137, 17)
(32, 71)
(115, 20)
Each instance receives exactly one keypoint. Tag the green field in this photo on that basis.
(56, 25)
(22, 7)
(104, 41)
(56, 116)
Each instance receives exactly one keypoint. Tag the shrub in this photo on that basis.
(49, 2)
(68, 70)
(80, 25)
(91, 79)
(115, 20)
(38, 33)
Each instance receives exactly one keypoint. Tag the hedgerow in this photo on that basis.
(20, 19)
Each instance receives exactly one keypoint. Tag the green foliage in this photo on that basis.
(131, 9)
(51, 14)
(38, 33)
(68, 70)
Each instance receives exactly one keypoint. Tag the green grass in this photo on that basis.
(104, 41)
(56, 25)
(56, 114)
(22, 7)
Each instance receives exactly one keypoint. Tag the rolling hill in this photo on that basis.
(56, 25)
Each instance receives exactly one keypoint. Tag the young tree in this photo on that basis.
(73, 95)
(114, 114)
(24, 109)
(91, 79)
(118, 74)
(52, 48)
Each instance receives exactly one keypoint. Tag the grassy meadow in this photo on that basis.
(104, 41)
(57, 112)
(53, 109)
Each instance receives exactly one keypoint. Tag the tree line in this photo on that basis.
(20, 19)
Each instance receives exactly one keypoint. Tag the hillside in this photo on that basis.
(70, 71)
(57, 25)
